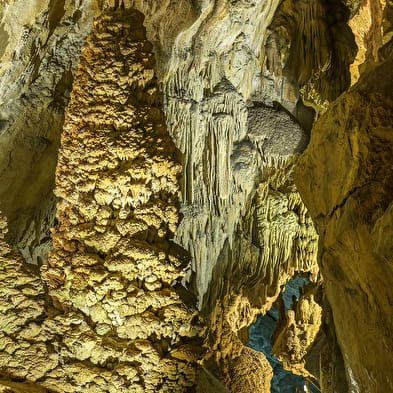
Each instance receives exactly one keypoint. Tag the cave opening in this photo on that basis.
(260, 339)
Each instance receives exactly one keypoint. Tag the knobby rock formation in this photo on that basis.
(114, 320)
(174, 219)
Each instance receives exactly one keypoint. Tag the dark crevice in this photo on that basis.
(344, 201)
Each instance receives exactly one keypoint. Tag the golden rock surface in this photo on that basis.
(345, 178)
(115, 320)
(234, 78)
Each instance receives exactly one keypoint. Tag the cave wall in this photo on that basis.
(233, 90)
(40, 47)
(350, 199)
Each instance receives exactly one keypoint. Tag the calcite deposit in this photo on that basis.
(250, 372)
(116, 319)
(23, 355)
(117, 180)
(147, 158)
(297, 330)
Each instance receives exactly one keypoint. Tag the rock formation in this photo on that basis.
(115, 320)
(297, 331)
(349, 161)
(147, 160)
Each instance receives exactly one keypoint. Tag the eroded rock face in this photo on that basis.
(40, 47)
(345, 178)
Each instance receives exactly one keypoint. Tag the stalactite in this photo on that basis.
(235, 155)
(275, 240)
(316, 47)
(310, 48)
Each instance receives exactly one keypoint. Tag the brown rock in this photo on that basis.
(250, 372)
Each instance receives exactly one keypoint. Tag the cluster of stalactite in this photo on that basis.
(281, 241)
(112, 315)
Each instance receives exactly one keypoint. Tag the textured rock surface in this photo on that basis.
(118, 322)
(40, 46)
(250, 372)
(237, 149)
(229, 147)
(297, 330)
(261, 332)
(345, 177)
(21, 310)
(117, 180)
(265, 255)
(233, 87)
(316, 46)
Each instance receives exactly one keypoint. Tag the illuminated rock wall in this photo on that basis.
(349, 161)
(233, 92)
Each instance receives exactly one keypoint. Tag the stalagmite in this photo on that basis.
(296, 333)
(116, 319)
